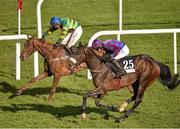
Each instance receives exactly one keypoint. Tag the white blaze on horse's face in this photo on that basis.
(28, 49)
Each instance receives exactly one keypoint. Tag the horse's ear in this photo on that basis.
(29, 36)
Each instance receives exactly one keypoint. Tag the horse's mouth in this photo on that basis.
(23, 58)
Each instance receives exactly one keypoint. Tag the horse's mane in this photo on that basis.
(101, 58)
(105, 65)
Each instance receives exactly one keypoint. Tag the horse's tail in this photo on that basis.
(165, 77)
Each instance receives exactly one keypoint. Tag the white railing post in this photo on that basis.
(18, 61)
(39, 25)
(120, 19)
(36, 67)
(18, 48)
(89, 76)
(175, 52)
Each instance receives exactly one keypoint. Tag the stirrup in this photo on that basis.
(72, 60)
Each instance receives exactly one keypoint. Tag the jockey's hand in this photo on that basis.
(57, 44)
(107, 57)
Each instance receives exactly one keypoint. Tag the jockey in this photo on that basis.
(71, 31)
(116, 49)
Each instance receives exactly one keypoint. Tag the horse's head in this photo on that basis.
(80, 55)
(88, 55)
(28, 48)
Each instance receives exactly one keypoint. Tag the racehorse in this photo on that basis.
(147, 70)
(56, 63)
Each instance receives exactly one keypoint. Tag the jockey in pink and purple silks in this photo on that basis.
(116, 49)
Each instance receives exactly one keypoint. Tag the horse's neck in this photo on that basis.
(94, 63)
(44, 49)
(98, 69)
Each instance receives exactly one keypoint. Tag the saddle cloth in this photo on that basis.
(127, 63)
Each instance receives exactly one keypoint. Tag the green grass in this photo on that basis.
(160, 107)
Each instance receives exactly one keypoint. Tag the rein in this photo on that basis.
(59, 58)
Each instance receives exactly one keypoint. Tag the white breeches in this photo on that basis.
(123, 52)
(72, 37)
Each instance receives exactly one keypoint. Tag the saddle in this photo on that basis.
(126, 63)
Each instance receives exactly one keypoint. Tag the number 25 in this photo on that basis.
(128, 64)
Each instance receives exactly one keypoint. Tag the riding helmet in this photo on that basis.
(55, 20)
(97, 44)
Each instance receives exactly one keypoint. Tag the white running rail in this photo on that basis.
(148, 31)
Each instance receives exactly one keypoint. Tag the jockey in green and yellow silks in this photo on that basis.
(71, 31)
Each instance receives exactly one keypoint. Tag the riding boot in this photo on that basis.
(68, 50)
(120, 71)
(73, 49)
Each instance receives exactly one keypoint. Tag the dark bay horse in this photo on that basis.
(147, 70)
(56, 63)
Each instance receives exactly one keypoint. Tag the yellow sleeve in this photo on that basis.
(64, 32)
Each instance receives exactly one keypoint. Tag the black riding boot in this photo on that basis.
(120, 71)
(73, 49)
(68, 50)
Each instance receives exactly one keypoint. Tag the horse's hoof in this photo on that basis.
(121, 109)
(83, 116)
(118, 120)
(123, 106)
(114, 108)
(17, 93)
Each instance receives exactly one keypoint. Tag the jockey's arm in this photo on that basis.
(116, 52)
(48, 32)
(108, 48)
(63, 34)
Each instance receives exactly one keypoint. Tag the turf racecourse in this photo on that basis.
(160, 107)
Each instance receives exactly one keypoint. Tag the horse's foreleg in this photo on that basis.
(94, 93)
(83, 109)
(29, 84)
(54, 86)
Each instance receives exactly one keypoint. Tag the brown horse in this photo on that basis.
(147, 70)
(56, 63)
